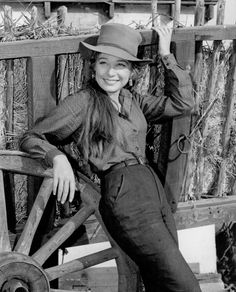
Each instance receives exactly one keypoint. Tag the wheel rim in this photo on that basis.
(32, 277)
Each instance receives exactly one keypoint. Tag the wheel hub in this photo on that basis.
(20, 273)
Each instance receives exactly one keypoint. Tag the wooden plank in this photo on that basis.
(4, 238)
(185, 54)
(163, 2)
(70, 44)
(82, 263)
(41, 80)
(22, 165)
(177, 11)
(216, 211)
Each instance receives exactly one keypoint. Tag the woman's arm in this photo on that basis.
(178, 97)
(42, 140)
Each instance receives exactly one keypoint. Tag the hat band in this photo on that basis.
(116, 46)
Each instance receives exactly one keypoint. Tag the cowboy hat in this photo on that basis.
(115, 39)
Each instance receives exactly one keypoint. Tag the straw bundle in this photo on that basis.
(2, 106)
(206, 150)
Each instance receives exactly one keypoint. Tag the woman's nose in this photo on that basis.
(111, 70)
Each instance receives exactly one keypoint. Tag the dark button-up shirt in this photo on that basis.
(137, 110)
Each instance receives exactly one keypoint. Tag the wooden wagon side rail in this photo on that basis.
(70, 44)
(218, 211)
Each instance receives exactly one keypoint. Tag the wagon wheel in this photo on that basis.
(20, 272)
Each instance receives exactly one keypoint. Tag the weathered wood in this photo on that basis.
(25, 241)
(218, 211)
(4, 238)
(34, 17)
(184, 2)
(47, 9)
(82, 263)
(55, 242)
(180, 126)
(8, 21)
(29, 166)
(199, 17)
(177, 10)
(70, 44)
(41, 80)
(220, 12)
(155, 18)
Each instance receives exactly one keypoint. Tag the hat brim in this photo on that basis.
(88, 47)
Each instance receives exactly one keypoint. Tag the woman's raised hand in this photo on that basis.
(165, 34)
(63, 179)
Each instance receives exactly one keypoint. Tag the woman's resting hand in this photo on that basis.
(63, 179)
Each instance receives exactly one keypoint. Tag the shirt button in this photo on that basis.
(137, 148)
(135, 131)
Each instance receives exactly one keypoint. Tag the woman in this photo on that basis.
(108, 125)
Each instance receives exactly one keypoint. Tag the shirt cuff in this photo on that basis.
(50, 155)
(169, 61)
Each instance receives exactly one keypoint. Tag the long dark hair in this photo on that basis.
(98, 128)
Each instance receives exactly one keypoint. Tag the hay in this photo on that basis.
(206, 145)
(2, 106)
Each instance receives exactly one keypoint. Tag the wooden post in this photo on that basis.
(177, 161)
(177, 12)
(41, 81)
(155, 18)
(7, 18)
(34, 17)
(220, 12)
(199, 18)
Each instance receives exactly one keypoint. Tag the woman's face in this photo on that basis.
(112, 73)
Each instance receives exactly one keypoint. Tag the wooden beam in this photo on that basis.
(162, 2)
(70, 44)
(216, 211)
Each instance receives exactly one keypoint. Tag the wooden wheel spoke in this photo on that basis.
(26, 238)
(81, 263)
(55, 242)
(4, 237)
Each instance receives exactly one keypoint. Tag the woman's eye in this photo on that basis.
(122, 65)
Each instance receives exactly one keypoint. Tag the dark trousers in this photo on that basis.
(136, 213)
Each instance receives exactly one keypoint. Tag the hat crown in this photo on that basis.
(120, 36)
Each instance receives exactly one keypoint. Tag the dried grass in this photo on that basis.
(206, 150)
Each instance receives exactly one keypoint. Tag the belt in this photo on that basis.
(126, 163)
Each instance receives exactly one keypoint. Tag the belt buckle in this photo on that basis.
(141, 160)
